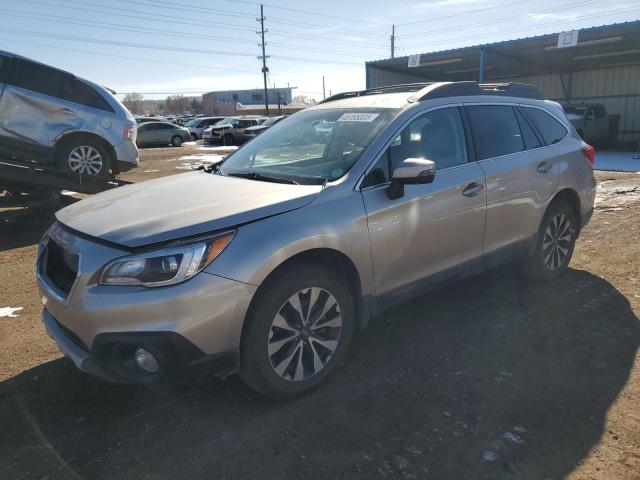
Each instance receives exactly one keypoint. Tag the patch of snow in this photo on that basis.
(612, 196)
(512, 437)
(617, 161)
(490, 456)
(9, 311)
(212, 158)
(519, 428)
(150, 171)
(229, 148)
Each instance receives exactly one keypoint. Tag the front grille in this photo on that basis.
(61, 267)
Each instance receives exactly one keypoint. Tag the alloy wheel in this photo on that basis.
(85, 160)
(304, 334)
(557, 241)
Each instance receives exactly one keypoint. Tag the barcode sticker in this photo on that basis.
(358, 117)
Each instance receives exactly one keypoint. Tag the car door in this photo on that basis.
(33, 110)
(434, 229)
(520, 172)
(163, 133)
(146, 133)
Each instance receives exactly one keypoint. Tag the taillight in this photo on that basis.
(130, 132)
(590, 154)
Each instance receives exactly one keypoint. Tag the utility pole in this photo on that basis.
(393, 41)
(264, 57)
(323, 95)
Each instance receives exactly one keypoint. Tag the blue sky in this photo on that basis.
(158, 47)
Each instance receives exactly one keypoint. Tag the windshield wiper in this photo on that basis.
(261, 177)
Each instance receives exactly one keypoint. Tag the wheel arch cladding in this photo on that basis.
(335, 261)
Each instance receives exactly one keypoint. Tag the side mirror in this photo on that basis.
(411, 171)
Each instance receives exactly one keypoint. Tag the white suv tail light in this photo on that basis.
(130, 132)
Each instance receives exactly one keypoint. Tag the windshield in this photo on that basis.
(320, 145)
(193, 122)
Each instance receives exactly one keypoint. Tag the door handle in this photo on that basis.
(473, 189)
(544, 167)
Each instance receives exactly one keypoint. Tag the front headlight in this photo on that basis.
(167, 266)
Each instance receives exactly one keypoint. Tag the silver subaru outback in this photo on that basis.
(270, 263)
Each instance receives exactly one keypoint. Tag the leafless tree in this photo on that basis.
(134, 103)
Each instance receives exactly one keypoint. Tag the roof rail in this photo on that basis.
(430, 90)
(404, 87)
(463, 89)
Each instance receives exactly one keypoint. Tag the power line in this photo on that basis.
(154, 31)
(500, 20)
(468, 12)
(307, 12)
(145, 15)
(128, 57)
(535, 27)
(168, 48)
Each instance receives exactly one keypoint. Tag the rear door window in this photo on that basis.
(495, 130)
(552, 130)
(37, 78)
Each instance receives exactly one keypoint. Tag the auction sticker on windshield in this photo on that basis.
(358, 117)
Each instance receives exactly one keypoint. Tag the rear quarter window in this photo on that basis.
(86, 95)
(552, 130)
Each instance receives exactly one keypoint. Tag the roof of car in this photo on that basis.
(397, 96)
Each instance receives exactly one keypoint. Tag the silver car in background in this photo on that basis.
(269, 264)
(55, 118)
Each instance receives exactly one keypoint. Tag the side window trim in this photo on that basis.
(521, 114)
(471, 146)
(390, 140)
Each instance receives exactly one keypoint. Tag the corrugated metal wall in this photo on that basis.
(618, 88)
(381, 78)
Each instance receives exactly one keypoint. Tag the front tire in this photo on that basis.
(176, 140)
(555, 243)
(84, 158)
(194, 137)
(298, 330)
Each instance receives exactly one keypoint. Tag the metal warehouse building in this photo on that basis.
(593, 65)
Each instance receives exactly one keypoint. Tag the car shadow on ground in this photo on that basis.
(493, 377)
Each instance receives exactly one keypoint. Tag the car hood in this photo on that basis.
(179, 206)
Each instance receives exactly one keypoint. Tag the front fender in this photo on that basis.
(337, 223)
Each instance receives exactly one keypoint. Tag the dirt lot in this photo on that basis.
(495, 377)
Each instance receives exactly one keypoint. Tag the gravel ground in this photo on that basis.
(494, 377)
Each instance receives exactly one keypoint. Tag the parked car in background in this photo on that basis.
(162, 133)
(55, 118)
(198, 125)
(230, 130)
(590, 121)
(252, 132)
(270, 264)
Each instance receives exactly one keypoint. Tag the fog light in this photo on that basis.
(146, 361)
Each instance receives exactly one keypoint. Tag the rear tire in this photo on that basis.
(281, 353)
(555, 243)
(176, 140)
(84, 157)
